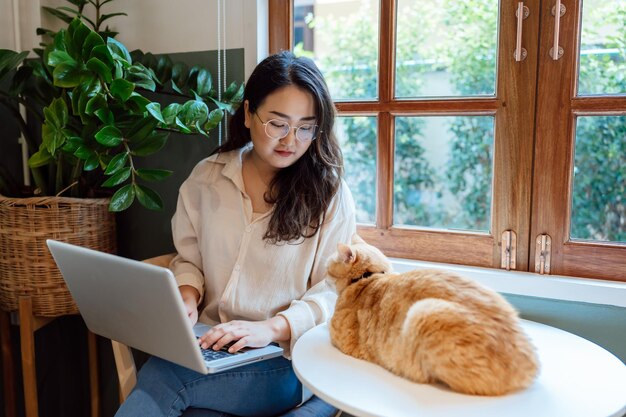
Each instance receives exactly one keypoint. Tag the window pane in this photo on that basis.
(344, 44)
(357, 136)
(599, 191)
(443, 169)
(446, 48)
(603, 48)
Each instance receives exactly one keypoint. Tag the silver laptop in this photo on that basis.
(139, 304)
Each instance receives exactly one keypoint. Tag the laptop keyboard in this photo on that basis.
(211, 355)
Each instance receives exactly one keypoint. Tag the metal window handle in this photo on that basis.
(556, 51)
(522, 13)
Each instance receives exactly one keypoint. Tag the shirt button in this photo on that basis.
(249, 229)
(237, 268)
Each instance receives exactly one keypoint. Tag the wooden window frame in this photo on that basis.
(557, 109)
(531, 186)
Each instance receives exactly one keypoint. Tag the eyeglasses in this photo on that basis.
(278, 129)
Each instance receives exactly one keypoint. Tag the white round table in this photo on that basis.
(577, 379)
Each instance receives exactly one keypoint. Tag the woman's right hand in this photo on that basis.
(191, 296)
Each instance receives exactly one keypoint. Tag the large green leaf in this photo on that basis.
(137, 103)
(215, 117)
(59, 43)
(193, 112)
(116, 163)
(123, 198)
(141, 129)
(72, 144)
(203, 82)
(155, 110)
(153, 174)
(77, 33)
(91, 163)
(119, 52)
(67, 74)
(221, 105)
(151, 144)
(58, 14)
(95, 103)
(84, 153)
(56, 113)
(100, 68)
(142, 77)
(110, 15)
(117, 178)
(148, 198)
(89, 88)
(180, 73)
(109, 136)
(164, 68)
(105, 115)
(92, 40)
(103, 54)
(170, 112)
(40, 158)
(233, 93)
(178, 124)
(58, 57)
(52, 137)
(121, 89)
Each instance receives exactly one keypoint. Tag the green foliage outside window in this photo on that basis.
(598, 210)
(599, 187)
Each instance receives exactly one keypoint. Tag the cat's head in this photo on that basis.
(356, 261)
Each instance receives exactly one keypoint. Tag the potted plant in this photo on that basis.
(96, 123)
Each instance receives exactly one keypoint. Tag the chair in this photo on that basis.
(127, 373)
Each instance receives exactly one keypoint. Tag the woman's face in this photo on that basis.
(291, 105)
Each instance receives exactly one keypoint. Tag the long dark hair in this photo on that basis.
(303, 191)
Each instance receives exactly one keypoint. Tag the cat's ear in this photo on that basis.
(357, 239)
(345, 253)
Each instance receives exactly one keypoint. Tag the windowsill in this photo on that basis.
(555, 287)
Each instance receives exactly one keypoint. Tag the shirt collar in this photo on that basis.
(233, 165)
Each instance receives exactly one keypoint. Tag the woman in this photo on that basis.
(254, 226)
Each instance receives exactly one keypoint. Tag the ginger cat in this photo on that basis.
(428, 325)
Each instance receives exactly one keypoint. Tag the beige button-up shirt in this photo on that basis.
(221, 252)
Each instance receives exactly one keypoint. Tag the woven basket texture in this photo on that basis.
(26, 266)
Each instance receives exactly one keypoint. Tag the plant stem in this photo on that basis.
(59, 175)
(75, 176)
(97, 5)
(40, 181)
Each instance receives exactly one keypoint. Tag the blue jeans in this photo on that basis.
(265, 388)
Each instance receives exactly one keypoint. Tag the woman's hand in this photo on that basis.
(246, 333)
(191, 296)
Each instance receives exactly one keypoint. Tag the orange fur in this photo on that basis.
(428, 325)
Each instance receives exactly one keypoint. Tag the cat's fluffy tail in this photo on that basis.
(469, 352)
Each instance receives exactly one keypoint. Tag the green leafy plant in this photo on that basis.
(95, 120)
(79, 9)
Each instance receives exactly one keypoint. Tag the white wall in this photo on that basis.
(157, 26)
(14, 36)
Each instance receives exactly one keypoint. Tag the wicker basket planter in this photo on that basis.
(26, 266)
